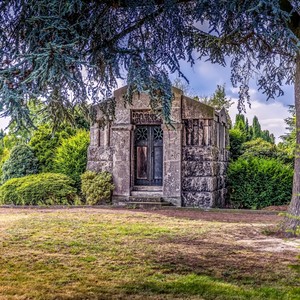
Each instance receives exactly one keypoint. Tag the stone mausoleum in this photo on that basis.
(183, 164)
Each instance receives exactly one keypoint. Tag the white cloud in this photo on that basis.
(4, 122)
(271, 115)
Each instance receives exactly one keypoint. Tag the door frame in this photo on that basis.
(144, 118)
(153, 142)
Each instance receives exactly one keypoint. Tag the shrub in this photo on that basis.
(71, 156)
(4, 156)
(96, 187)
(21, 162)
(44, 144)
(259, 182)
(259, 148)
(39, 189)
(236, 138)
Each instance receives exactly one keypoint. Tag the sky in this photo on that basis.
(204, 77)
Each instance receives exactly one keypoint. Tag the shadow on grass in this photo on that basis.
(205, 287)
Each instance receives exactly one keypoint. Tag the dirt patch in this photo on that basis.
(221, 216)
(228, 216)
(272, 244)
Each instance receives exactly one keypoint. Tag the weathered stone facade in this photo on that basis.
(192, 152)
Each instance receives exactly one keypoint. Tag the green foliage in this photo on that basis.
(236, 138)
(96, 188)
(288, 143)
(219, 100)
(21, 162)
(257, 133)
(258, 182)
(71, 156)
(252, 132)
(259, 148)
(44, 144)
(4, 156)
(45, 56)
(39, 189)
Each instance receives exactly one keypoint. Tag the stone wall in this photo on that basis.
(204, 156)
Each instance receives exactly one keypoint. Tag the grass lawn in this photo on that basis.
(133, 254)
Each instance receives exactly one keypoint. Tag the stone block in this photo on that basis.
(199, 184)
(199, 153)
(199, 168)
(192, 109)
(99, 166)
(220, 198)
(121, 178)
(172, 179)
(221, 182)
(222, 168)
(100, 153)
(176, 114)
(198, 199)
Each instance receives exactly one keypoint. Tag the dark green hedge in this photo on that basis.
(258, 182)
(39, 189)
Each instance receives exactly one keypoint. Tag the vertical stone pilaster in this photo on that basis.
(94, 135)
(121, 143)
(172, 163)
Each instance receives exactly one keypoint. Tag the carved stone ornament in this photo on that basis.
(145, 118)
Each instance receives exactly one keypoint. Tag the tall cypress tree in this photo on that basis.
(257, 133)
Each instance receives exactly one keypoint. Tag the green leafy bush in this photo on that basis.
(44, 144)
(237, 138)
(96, 187)
(259, 182)
(4, 156)
(71, 156)
(39, 189)
(21, 162)
(259, 148)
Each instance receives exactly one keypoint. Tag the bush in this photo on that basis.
(236, 138)
(259, 182)
(21, 162)
(4, 156)
(96, 187)
(71, 156)
(259, 148)
(40, 189)
(44, 144)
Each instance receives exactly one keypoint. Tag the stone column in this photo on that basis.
(172, 163)
(121, 143)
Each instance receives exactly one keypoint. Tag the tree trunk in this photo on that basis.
(292, 220)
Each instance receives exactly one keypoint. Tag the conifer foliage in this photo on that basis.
(21, 162)
(68, 51)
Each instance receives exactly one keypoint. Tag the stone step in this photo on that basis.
(145, 198)
(150, 188)
(132, 204)
(146, 194)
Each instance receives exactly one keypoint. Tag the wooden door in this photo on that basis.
(148, 153)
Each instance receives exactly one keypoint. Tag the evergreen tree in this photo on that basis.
(218, 101)
(257, 133)
(44, 144)
(240, 123)
(21, 162)
(289, 138)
